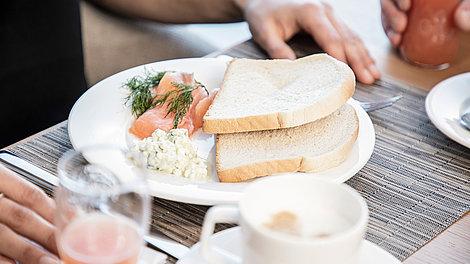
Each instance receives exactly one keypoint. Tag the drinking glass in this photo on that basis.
(103, 206)
(431, 38)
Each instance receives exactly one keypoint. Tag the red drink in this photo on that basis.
(100, 239)
(431, 38)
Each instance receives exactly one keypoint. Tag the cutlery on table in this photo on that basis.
(465, 120)
(46, 179)
(376, 105)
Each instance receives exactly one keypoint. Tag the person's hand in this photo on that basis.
(394, 18)
(26, 213)
(273, 22)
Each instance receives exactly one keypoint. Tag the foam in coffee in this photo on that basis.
(290, 223)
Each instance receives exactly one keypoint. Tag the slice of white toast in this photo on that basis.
(312, 147)
(272, 94)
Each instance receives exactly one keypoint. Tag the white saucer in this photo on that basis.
(446, 102)
(230, 240)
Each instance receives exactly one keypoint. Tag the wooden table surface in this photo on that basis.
(363, 16)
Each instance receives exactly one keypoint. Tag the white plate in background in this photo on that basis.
(446, 102)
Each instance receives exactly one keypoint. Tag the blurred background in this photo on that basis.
(112, 43)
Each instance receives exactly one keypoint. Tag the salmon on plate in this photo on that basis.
(167, 100)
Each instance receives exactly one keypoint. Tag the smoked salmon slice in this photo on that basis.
(159, 118)
(201, 109)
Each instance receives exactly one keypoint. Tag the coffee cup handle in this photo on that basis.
(213, 254)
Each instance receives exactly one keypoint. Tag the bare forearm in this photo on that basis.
(176, 11)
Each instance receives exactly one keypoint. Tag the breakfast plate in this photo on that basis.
(100, 117)
(230, 240)
(446, 102)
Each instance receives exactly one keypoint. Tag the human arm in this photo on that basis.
(272, 23)
(176, 11)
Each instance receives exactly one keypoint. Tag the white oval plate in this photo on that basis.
(100, 117)
(446, 102)
(230, 240)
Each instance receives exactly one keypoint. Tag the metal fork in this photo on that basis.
(376, 105)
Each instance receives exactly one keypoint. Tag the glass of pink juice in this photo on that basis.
(102, 207)
(431, 39)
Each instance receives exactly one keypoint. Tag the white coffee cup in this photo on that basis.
(320, 206)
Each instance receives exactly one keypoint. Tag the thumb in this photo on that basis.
(462, 15)
(271, 41)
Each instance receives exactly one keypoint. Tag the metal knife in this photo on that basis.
(46, 179)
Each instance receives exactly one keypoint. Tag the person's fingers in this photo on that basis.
(395, 38)
(364, 57)
(403, 5)
(27, 223)
(26, 193)
(270, 39)
(5, 260)
(14, 246)
(356, 53)
(462, 15)
(357, 64)
(315, 22)
(369, 63)
(393, 17)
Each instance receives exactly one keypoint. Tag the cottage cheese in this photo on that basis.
(172, 152)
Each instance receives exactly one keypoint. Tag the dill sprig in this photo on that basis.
(141, 98)
(140, 88)
(179, 100)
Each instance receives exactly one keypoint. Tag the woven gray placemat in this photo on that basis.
(417, 182)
